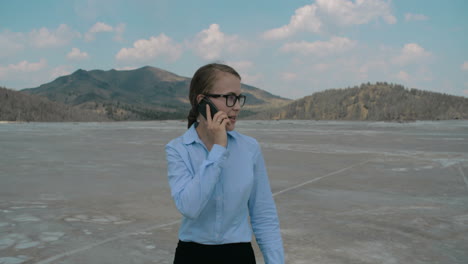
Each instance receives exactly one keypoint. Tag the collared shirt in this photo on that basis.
(216, 191)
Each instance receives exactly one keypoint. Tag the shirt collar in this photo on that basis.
(191, 135)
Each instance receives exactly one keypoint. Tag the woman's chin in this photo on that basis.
(230, 127)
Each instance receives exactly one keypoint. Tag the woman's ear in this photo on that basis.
(199, 98)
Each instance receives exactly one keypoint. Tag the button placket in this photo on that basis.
(219, 210)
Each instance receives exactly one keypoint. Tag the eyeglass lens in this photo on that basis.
(231, 100)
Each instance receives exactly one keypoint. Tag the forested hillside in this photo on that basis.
(21, 107)
(374, 102)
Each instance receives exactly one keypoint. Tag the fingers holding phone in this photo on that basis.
(216, 125)
(209, 110)
(202, 108)
(220, 118)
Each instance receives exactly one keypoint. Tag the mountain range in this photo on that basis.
(144, 93)
(150, 93)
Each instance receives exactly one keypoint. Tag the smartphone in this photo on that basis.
(202, 107)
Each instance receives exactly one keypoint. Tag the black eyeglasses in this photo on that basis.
(231, 99)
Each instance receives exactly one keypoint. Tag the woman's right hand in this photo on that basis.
(216, 127)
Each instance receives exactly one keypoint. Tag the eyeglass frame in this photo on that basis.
(238, 98)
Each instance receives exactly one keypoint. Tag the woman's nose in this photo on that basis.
(236, 106)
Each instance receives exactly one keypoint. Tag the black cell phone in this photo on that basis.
(202, 107)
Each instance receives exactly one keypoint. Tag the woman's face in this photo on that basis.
(227, 83)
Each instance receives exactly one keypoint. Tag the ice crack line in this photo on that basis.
(463, 175)
(319, 178)
(123, 235)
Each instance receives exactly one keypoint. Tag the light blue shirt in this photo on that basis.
(216, 191)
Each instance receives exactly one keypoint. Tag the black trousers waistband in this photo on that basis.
(191, 252)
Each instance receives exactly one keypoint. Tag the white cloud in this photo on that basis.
(370, 66)
(89, 37)
(316, 17)
(211, 43)
(364, 63)
(390, 19)
(321, 67)
(102, 27)
(240, 66)
(244, 68)
(289, 76)
(346, 12)
(464, 66)
(411, 53)
(147, 49)
(45, 38)
(320, 48)
(304, 19)
(252, 79)
(25, 66)
(403, 76)
(21, 67)
(10, 43)
(60, 71)
(119, 30)
(415, 17)
(77, 54)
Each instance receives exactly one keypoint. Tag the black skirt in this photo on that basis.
(193, 253)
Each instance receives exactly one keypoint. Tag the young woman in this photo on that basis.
(218, 179)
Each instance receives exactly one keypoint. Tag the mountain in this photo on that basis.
(372, 102)
(18, 106)
(150, 93)
(141, 94)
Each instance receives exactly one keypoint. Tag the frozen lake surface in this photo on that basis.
(346, 192)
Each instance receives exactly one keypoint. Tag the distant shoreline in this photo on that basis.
(8, 122)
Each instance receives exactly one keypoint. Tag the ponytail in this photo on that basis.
(192, 117)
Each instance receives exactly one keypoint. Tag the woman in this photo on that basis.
(218, 179)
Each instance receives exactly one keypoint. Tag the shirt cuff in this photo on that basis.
(273, 256)
(218, 154)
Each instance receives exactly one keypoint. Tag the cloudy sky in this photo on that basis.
(290, 48)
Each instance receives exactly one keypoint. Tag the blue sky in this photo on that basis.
(290, 48)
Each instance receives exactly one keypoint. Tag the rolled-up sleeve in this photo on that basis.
(263, 214)
(191, 191)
